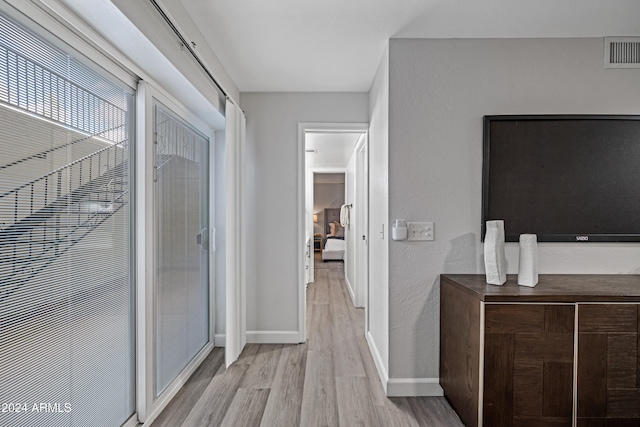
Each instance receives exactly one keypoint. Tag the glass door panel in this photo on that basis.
(181, 215)
(67, 343)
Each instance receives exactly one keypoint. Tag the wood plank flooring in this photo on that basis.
(331, 380)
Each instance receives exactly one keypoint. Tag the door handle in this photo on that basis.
(201, 239)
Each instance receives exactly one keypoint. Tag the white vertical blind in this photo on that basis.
(181, 217)
(236, 330)
(66, 301)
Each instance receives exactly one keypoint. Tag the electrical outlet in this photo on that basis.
(420, 230)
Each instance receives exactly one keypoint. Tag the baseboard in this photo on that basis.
(220, 340)
(263, 337)
(382, 372)
(350, 288)
(398, 387)
(273, 337)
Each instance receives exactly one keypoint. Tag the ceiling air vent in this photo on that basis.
(622, 52)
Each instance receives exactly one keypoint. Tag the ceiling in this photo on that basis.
(336, 45)
(329, 149)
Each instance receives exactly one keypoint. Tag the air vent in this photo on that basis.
(622, 52)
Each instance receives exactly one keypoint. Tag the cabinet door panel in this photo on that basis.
(558, 389)
(592, 375)
(604, 318)
(528, 371)
(608, 373)
(528, 382)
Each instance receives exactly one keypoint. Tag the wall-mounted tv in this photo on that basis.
(566, 178)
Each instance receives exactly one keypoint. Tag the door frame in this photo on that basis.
(303, 128)
(148, 407)
(361, 290)
(309, 197)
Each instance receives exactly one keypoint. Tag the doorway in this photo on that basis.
(334, 148)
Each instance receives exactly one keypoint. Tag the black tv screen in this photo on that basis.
(565, 178)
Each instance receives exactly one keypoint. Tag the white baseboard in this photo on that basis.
(263, 337)
(398, 387)
(350, 288)
(382, 372)
(220, 340)
(273, 337)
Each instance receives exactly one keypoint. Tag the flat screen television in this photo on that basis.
(565, 178)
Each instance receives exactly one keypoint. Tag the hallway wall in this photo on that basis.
(439, 91)
(272, 201)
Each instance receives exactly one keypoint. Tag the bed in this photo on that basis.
(334, 245)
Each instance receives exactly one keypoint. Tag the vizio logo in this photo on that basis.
(582, 238)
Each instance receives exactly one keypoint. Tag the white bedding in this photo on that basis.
(333, 249)
(334, 245)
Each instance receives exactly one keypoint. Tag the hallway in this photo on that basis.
(330, 380)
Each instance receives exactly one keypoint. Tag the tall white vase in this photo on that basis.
(495, 262)
(528, 265)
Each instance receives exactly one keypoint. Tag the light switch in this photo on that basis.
(420, 230)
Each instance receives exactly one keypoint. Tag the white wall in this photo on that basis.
(272, 194)
(439, 91)
(378, 334)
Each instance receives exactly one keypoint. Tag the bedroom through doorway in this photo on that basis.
(334, 216)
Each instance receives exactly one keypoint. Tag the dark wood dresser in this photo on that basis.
(565, 351)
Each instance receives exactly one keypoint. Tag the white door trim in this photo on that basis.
(304, 127)
(362, 225)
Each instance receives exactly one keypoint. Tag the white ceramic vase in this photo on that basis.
(495, 262)
(528, 265)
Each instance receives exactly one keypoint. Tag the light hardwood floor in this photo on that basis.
(330, 380)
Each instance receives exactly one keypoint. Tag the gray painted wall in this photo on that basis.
(272, 196)
(438, 92)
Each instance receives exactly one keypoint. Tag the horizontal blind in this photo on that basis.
(181, 277)
(66, 299)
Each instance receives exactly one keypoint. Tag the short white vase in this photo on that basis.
(495, 262)
(528, 265)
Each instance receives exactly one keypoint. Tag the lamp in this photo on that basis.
(315, 217)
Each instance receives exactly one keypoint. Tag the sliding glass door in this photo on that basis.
(181, 244)
(67, 343)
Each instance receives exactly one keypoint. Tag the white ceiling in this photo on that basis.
(333, 149)
(336, 45)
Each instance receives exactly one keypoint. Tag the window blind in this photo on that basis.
(181, 217)
(66, 297)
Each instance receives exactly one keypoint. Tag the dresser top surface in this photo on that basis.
(552, 288)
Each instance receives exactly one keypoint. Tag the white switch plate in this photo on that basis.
(420, 230)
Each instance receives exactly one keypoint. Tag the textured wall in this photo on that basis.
(272, 196)
(439, 91)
